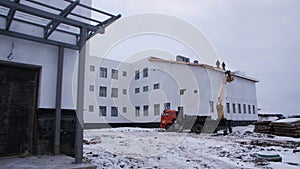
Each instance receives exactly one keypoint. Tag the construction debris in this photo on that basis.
(269, 156)
(285, 127)
(263, 127)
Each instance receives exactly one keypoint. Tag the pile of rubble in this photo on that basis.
(284, 127)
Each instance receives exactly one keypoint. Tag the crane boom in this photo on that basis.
(228, 78)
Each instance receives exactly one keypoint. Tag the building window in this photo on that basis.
(249, 109)
(156, 109)
(124, 109)
(114, 92)
(114, 74)
(137, 111)
(253, 109)
(145, 72)
(145, 89)
(91, 88)
(92, 68)
(91, 108)
(137, 75)
(228, 107)
(124, 73)
(103, 72)
(156, 86)
(181, 92)
(211, 105)
(102, 110)
(146, 110)
(102, 91)
(195, 91)
(124, 91)
(137, 90)
(167, 106)
(244, 107)
(239, 108)
(114, 112)
(233, 108)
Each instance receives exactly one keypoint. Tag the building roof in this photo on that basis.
(155, 59)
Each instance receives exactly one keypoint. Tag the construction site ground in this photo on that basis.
(149, 148)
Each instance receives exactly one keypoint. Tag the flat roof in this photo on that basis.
(155, 59)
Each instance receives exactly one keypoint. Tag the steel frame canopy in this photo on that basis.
(51, 20)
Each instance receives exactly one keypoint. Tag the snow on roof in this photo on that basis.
(200, 65)
(270, 112)
(288, 120)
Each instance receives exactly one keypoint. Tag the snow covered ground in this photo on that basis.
(149, 148)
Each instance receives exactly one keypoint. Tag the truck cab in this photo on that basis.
(167, 118)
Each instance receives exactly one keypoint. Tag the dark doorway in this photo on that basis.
(18, 97)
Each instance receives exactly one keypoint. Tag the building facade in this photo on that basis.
(135, 94)
(40, 43)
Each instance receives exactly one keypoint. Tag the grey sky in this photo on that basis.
(261, 38)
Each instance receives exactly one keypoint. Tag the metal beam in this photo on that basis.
(103, 25)
(80, 97)
(10, 16)
(59, 79)
(47, 15)
(37, 39)
(54, 24)
(92, 9)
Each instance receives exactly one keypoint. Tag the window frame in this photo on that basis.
(145, 72)
(114, 92)
(114, 111)
(228, 107)
(102, 114)
(137, 75)
(146, 110)
(103, 72)
(101, 93)
(233, 108)
(156, 109)
(145, 88)
(156, 86)
(137, 111)
(114, 74)
(137, 90)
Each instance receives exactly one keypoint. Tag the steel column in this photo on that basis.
(80, 97)
(59, 79)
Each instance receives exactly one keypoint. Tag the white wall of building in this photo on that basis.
(201, 86)
(45, 56)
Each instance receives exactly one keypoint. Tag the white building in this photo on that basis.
(135, 94)
(40, 43)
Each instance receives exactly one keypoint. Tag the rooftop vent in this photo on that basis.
(182, 58)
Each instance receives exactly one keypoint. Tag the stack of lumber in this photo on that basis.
(287, 127)
(263, 127)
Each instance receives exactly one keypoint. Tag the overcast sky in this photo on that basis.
(261, 38)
